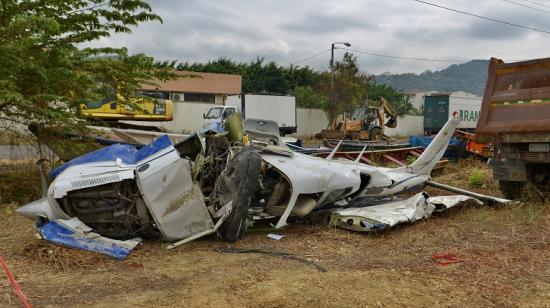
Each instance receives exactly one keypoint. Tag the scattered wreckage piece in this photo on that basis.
(472, 194)
(398, 156)
(385, 214)
(356, 145)
(74, 233)
(68, 145)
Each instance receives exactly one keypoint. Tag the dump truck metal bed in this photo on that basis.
(515, 118)
(516, 102)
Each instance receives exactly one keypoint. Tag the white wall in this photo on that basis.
(310, 121)
(417, 99)
(407, 125)
(187, 118)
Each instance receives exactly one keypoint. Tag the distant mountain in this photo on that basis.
(470, 77)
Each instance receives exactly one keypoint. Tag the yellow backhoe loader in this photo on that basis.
(364, 123)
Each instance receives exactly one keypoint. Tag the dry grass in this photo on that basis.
(506, 252)
(19, 181)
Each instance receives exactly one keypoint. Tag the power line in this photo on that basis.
(417, 58)
(527, 6)
(311, 57)
(404, 58)
(482, 17)
(538, 3)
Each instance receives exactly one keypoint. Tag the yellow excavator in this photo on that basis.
(139, 109)
(364, 123)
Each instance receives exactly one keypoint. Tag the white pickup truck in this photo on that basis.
(281, 109)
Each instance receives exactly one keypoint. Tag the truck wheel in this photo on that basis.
(511, 189)
(375, 134)
(239, 184)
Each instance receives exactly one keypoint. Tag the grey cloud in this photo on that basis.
(286, 31)
(318, 24)
(484, 29)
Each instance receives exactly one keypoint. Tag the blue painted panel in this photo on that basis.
(424, 141)
(128, 154)
(61, 234)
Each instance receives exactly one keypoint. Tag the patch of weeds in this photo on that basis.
(531, 214)
(20, 186)
(410, 159)
(376, 159)
(476, 178)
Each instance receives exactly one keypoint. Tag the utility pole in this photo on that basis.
(332, 100)
(332, 47)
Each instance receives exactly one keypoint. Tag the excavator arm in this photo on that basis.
(386, 110)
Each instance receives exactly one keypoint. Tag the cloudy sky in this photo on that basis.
(287, 31)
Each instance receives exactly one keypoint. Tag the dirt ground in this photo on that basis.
(505, 253)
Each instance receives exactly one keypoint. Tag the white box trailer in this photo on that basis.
(281, 109)
(438, 107)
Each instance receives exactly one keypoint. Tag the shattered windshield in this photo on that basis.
(214, 113)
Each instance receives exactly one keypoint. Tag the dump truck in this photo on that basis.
(364, 123)
(515, 118)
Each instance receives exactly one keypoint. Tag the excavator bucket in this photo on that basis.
(392, 122)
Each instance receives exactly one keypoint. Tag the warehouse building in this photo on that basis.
(194, 87)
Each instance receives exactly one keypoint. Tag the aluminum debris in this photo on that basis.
(74, 233)
(385, 215)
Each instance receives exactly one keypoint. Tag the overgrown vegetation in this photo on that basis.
(19, 182)
(259, 76)
(334, 91)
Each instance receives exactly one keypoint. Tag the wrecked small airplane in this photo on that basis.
(213, 183)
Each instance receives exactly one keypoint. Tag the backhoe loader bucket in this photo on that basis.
(392, 122)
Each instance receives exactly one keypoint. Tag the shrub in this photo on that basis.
(476, 178)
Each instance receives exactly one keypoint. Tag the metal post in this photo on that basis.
(332, 56)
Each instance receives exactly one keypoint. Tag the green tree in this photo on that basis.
(306, 97)
(258, 76)
(45, 75)
(345, 87)
(398, 101)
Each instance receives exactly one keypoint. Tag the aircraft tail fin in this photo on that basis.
(433, 153)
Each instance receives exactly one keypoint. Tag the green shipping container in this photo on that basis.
(436, 112)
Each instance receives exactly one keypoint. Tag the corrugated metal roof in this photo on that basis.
(201, 83)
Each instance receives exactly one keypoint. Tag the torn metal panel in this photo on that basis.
(383, 216)
(74, 233)
(174, 201)
(442, 203)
